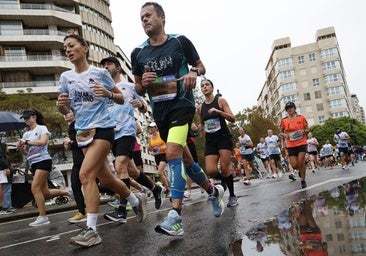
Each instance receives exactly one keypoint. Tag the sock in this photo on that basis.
(179, 211)
(92, 220)
(177, 178)
(143, 180)
(212, 191)
(132, 199)
(195, 172)
(229, 180)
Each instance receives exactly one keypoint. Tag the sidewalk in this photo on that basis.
(28, 211)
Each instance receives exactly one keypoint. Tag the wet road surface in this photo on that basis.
(204, 234)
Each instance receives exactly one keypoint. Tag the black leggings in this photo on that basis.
(76, 188)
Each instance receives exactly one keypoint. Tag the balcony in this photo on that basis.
(33, 38)
(39, 14)
(36, 62)
(41, 87)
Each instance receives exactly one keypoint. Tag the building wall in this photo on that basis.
(311, 75)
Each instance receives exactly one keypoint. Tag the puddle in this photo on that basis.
(329, 223)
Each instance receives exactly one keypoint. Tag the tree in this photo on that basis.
(354, 128)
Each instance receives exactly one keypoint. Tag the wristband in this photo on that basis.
(111, 96)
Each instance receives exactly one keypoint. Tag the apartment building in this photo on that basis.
(31, 46)
(312, 76)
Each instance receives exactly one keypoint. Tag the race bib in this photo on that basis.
(164, 88)
(212, 125)
(294, 136)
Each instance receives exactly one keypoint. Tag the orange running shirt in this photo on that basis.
(291, 127)
(156, 141)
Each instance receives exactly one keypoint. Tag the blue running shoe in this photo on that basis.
(172, 225)
(218, 206)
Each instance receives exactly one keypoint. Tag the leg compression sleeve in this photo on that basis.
(195, 172)
(178, 178)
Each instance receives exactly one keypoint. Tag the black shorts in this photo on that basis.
(296, 150)
(123, 146)
(314, 153)
(136, 156)
(275, 157)
(45, 165)
(160, 158)
(215, 143)
(264, 159)
(105, 134)
(248, 157)
(176, 117)
(344, 150)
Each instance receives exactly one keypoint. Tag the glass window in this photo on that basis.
(321, 119)
(288, 87)
(300, 59)
(312, 57)
(328, 53)
(319, 107)
(335, 90)
(333, 78)
(316, 82)
(14, 53)
(286, 74)
(337, 103)
(331, 65)
(284, 62)
(318, 94)
(11, 28)
(340, 237)
(307, 96)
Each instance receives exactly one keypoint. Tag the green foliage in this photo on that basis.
(19, 102)
(354, 128)
(255, 124)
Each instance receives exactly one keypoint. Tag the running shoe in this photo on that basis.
(140, 209)
(233, 201)
(291, 176)
(79, 217)
(303, 184)
(41, 220)
(87, 238)
(158, 195)
(119, 215)
(218, 206)
(275, 175)
(172, 225)
(115, 203)
(246, 182)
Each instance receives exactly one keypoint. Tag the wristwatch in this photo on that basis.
(195, 69)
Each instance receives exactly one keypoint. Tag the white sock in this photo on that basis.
(92, 220)
(132, 199)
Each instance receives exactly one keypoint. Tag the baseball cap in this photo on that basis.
(152, 124)
(111, 59)
(290, 104)
(28, 113)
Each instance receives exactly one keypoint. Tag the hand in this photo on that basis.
(63, 103)
(100, 91)
(189, 81)
(136, 103)
(147, 77)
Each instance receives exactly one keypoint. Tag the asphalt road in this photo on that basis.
(204, 234)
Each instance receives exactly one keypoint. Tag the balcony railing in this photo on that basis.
(35, 57)
(33, 7)
(32, 32)
(28, 84)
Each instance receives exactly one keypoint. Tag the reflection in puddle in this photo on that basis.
(329, 223)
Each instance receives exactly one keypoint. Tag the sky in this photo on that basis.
(234, 37)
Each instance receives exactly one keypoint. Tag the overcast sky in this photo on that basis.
(234, 37)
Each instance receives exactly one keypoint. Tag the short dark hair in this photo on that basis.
(158, 8)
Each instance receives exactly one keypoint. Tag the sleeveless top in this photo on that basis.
(214, 124)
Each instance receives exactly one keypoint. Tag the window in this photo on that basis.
(340, 114)
(333, 78)
(316, 82)
(319, 107)
(312, 57)
(321, 119)
(14, 53)
(331, 65)
(335, 90)
(328, 237)
(338, 224)
(300, 59)
(318, 94)
(307, 96)
(286, 74)
(11, 28)
(337, 103)
(288, 87)
(284, 62)
(328, 53)
(340, 237)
